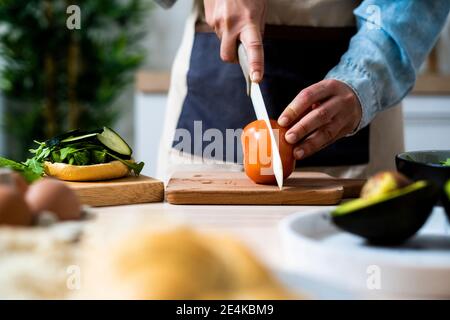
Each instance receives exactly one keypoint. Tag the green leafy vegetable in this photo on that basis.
(446, 163)
(65, 152)
(21, 168)
(136, 167)
(35, 165)
(99, 156)
(76, 148)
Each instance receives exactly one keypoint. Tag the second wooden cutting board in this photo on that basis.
(234, 188)
(128, 190)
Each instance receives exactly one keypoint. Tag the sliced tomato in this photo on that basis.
(257, 150)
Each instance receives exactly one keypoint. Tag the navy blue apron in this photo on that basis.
(216, 92)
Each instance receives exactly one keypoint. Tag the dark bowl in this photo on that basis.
(446, 199)
(424, 165)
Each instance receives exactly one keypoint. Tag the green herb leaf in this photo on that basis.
(136, 167)
(65, 152)
(446, 163)
(56, 157)
(35, 165)
(21, 168)
(98, 156)
(81, 157)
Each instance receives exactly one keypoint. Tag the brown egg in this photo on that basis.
(55, 196)
(20, 183)
(13, 208)
(14, 179)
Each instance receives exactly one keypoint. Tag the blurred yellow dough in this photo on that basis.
(180, 263)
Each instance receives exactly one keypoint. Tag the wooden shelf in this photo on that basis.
(158, 82)
(152, 81)
(428, 84)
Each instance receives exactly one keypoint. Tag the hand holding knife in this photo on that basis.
(254, 91)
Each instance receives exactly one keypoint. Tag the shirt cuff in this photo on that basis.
(359, 80)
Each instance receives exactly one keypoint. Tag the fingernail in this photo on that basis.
(283, 121)
(299, 154)
(291, 137)
(256, 76)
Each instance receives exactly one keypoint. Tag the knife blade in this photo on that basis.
(254, 91)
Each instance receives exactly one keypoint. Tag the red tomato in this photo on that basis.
(258, 152)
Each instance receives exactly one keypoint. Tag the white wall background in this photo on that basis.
(165, 32)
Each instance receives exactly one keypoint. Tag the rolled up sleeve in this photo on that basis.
(392, 42)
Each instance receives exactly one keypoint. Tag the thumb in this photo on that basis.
(251, 38)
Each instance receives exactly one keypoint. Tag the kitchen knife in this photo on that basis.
(254, 91)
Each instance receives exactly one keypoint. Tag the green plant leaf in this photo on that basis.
(35, 165)
(81, 158)
(66, 151)
(29, 174)
(98, 156)
(136, 167)
(55, 155)
(446, 163)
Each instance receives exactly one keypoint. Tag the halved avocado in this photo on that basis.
(389, 218)
(446, 199)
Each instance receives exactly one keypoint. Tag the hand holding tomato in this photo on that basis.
(320, 115)
(257, 149)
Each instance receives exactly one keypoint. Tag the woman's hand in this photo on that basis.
(239, 20)
(320, 115)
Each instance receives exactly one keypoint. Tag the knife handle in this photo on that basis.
(243, 61)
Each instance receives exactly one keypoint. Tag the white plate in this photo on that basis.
(420, 268)
(312, 288)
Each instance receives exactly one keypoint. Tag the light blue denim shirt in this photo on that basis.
(392, 42)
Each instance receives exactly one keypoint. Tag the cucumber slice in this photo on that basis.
(79, 138)
(68, 136)
(113, 141)
(57, 139)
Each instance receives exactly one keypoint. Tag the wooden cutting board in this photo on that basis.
(129, 190)
(302, 188)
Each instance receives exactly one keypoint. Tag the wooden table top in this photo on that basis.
(256, 226)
